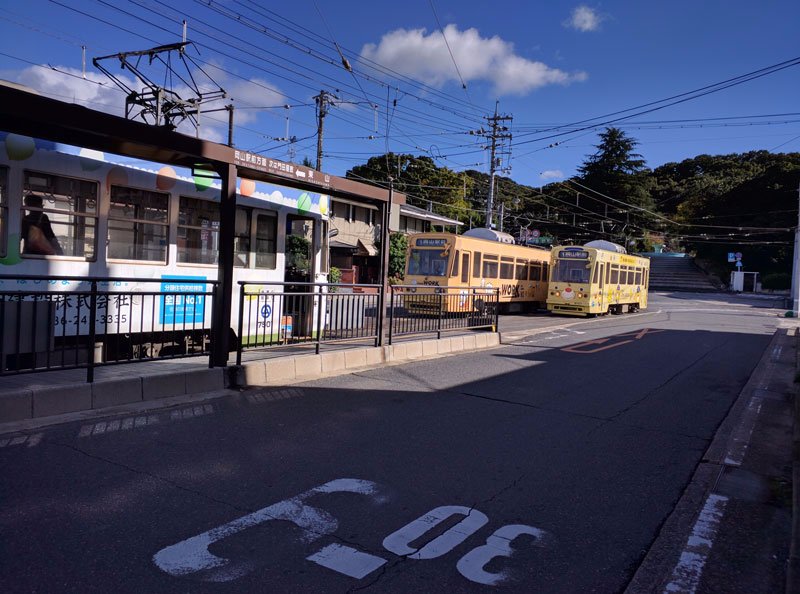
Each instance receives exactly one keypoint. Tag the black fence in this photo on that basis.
(292, 314)
(50, 323)
(422, 309)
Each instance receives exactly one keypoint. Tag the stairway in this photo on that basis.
(677, 272)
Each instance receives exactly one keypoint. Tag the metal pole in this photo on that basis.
(221, 308)
(796, 264)
(92, 333)
(384, 272)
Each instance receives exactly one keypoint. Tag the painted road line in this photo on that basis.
(346, 560)
(740, 440)
(687, 573)
(275, 395)
(35, 439)
(31, 440)
(102, 427)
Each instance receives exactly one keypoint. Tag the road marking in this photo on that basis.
(102, 427)
(346, 560)
(274, 395)
(472, 565)
(687, 573)
(398, 542)
(581, 348)
(31, 440)
(192, 555)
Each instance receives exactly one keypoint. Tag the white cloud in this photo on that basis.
(425, 57)
(67, 84)
(584, 19)
(552, 174)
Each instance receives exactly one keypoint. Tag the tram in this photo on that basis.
(599, 277)
(464, 265)
(113, 217)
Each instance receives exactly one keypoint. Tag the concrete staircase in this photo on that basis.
(678, 272)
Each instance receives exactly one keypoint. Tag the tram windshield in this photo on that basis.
(428, 262)
(571, 271)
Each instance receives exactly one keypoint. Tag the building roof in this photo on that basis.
(420, 213)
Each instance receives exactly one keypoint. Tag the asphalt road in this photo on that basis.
(547, 465)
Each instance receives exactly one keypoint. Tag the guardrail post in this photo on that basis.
(439, 318)
(391, 310)
(496, 310)
(319, 320)
(92, 333)
(240, 328)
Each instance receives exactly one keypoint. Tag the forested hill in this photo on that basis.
(709, 205)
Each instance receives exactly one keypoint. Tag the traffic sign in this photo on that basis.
(738, 256)
(535, 233)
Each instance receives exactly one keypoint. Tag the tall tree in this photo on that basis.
(419, 178)
(620, 185)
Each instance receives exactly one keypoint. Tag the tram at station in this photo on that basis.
(599, 277)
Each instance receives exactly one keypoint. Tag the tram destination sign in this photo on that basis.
(431, 242)
(573, 254)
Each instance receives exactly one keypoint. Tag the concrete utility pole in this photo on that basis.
(499, 132)
(796, 264)
(323, 100)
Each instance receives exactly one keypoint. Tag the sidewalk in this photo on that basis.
(735, 528)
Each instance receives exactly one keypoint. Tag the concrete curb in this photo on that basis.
(284, 370)
(54, 403)
(793, 563)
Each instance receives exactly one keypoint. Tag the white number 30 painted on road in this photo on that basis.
(191, 557)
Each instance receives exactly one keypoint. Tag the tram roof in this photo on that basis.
(24, 112)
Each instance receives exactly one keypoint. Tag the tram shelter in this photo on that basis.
(29, 114)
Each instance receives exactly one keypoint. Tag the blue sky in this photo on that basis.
(549, 64)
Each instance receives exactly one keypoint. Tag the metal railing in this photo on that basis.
(273, 314)
(61, 322)
(421, 309)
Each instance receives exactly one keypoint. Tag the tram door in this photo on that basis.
(299, 260)
(602, 268)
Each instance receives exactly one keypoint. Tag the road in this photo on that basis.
(546, 465)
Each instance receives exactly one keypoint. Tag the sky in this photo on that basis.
(423, 77)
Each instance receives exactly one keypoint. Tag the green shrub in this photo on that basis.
(334, 275)
(776, 281)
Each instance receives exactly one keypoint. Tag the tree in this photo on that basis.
(398, 244)
(619, 185)
(424, 184)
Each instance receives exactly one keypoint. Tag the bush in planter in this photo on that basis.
(335, 277)
(776, 281)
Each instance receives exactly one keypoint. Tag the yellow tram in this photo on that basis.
(479, 261)
(597, 278)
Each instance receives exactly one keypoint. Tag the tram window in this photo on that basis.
(427, 262)
(241, 243)
(571, 271)
(608, 273)
(623, 275)
(198, 231)
(3, 209)
(476, 266)
(455, 265)
(507, 268)
(545, 270)
(535, 273)
(596, 273)
(638, 276)
(70, 207)
(465, 268)
(522, 270)
(137, 224)
(614, 275)
(266, 241)
(490, 266)
(602, 268)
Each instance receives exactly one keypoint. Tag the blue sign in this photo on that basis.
(183, 308)
(266, 310)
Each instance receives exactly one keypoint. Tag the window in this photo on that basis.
(571, 271)
(68, 206)
(137, 224)
(507, 268)
(596, 273)
(455, 265)
(241, 243)
(198, 231)
(614, 275)
(638, 276)
(476, 266)
(522, 270)
(545, 270)
(266, 241)
(427, 262)
(535, 273)
(3, 209)
(490, 266)
(608, 273)
(602, 268)
(465, 268)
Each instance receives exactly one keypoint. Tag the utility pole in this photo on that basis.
(501, 133)
(796, 265)
(323, 100)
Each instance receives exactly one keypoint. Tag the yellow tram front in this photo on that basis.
(587, 280)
